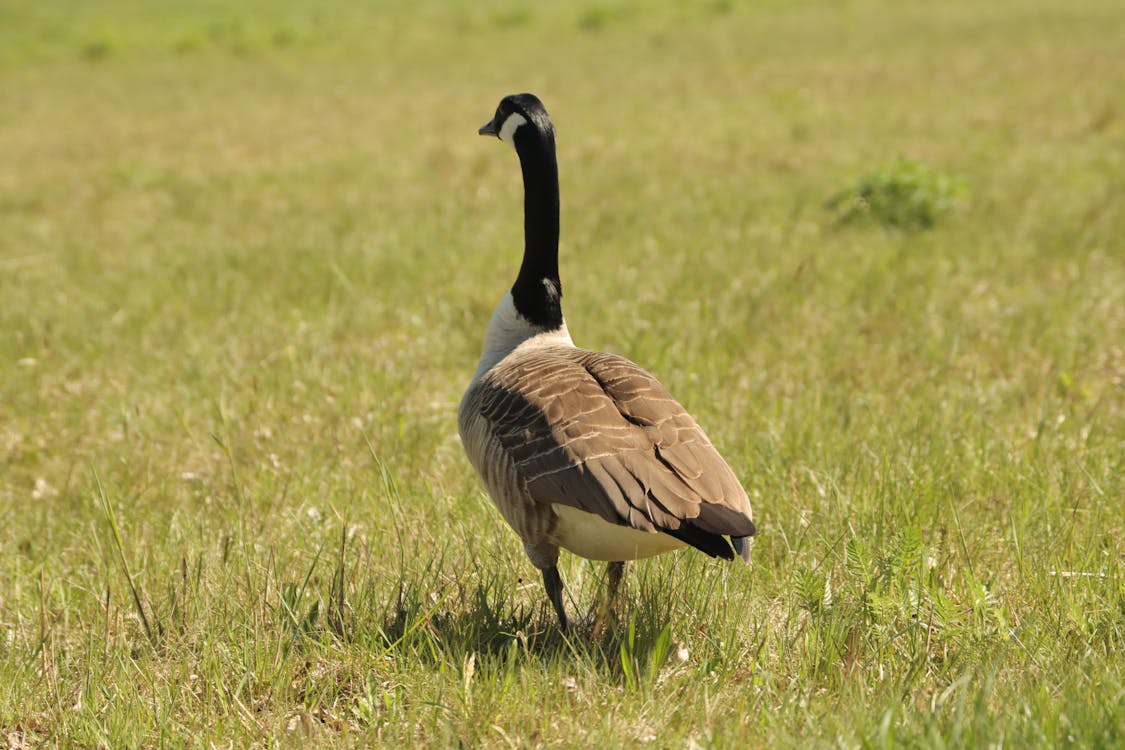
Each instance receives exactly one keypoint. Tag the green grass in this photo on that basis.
(247, 254)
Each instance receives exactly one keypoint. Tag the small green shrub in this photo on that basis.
(598, 17)
(98, 49)
(513, 18)
(904, 194)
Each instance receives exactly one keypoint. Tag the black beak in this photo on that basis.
(489, 128)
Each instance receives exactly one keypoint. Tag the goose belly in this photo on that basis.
(591, 536)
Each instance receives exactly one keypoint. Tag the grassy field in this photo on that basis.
(247, 253)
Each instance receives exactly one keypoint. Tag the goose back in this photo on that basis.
(561, 426)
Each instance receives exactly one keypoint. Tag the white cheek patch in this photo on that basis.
(508, 129)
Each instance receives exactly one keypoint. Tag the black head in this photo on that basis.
(516, 112)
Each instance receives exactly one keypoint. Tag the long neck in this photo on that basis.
(537, 292)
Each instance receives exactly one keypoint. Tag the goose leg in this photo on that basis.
(554, 585)
(615, 571)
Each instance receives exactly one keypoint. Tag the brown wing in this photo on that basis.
(597, 432)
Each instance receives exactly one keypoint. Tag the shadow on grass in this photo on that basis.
(621, 643)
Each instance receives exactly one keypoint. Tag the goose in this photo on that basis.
(583, 450)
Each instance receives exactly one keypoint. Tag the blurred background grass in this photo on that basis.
(247, 252)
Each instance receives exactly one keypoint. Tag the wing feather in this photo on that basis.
(597, 432)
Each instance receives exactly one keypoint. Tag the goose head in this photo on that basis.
(517, 117)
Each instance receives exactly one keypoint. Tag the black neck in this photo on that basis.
(537, 292)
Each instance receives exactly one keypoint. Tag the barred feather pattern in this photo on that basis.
(560, 425)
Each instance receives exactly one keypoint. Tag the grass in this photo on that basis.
(903, 194)
(246, 257)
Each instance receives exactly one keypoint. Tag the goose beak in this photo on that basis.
(489, 128)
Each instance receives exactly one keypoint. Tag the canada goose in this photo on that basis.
(579, 449)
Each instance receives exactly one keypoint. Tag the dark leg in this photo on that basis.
(613, 580)
(614, 571)
(554, 586)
